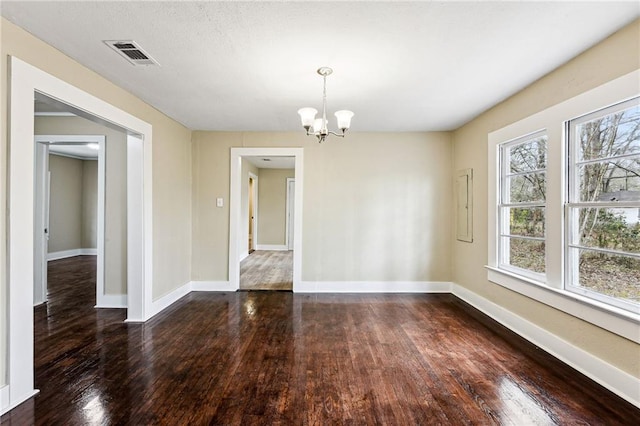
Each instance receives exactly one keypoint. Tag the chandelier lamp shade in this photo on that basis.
(318, 126)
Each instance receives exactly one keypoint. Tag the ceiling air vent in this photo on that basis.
(133, 53)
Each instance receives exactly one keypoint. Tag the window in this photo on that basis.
(603, 209)
(564, 206)
(523, 182)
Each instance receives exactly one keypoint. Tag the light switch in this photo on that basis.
(219, 202)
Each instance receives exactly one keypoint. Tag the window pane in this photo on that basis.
(527, 222)
(611, 275)
(610, 228)
(526, 254)
(527, 188)
(528, 156)
(617, 180)
(614, 134)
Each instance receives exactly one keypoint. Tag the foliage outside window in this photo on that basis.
(521, 245)
(603, 212)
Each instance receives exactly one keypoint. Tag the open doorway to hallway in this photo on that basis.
(267, 270)
(265, 193)
(81, 199)
(27, 84)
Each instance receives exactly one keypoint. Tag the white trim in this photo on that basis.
(100, 232)
(56, 255)
(272, 247)
(617, 381)
(4, 399)
(6, 404)
(165, 301)
(41, 222)
(112, 301)
(75, 157)
(374, 287)
(212, 286)
(606, 316)
(244, 255)
(254, 240)
(235, 210)
(287, 225)
(54, 114)
(26, 82)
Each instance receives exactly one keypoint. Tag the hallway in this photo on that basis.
(267, 270)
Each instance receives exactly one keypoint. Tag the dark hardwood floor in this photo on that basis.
(243, 358)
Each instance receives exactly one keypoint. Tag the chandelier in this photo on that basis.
(318, 126)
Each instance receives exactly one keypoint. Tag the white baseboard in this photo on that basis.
(272, 247)
(111, 301)
(167, 300)
(212, 286)
(6, 404)
(244, 255)
(71, 253)
(617, 381)
(4, 399)
(372, 287)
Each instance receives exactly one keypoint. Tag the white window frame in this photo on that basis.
(552, 292)
(504, 238)
(573, 206)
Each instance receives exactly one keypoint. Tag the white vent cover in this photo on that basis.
(130, 50)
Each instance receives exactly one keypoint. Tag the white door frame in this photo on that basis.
(26, 82)
(288, 212)
(41, 223)
(235, 209)
(100, 140)
(254, 220)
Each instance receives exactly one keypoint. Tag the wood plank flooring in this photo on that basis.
(267, 270)
(268, 358)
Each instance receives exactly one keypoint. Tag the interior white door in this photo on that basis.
(253, 211)
(291, 191)
(41, 231)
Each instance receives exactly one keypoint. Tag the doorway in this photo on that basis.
(87, 207)
(237, 241)
(253, 212)
(28, 82)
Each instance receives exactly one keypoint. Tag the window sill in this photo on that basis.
(615, 320)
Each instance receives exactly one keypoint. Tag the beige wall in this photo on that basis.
(115, 203)
(65, 208)
(616, 56)
(73, 203)
(376, 205)
(171, 182)
(89, 204)
(272, 204)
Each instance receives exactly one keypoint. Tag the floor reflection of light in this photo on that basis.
(522, 406)
(93, 411)
(249, 307)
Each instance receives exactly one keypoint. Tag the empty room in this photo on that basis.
(397, 213)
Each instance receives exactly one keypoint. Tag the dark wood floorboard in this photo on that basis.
(267, 270)
(264, 358)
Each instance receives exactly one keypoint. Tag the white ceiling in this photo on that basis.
(400, 66)
(263, 162)
(75, 150)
